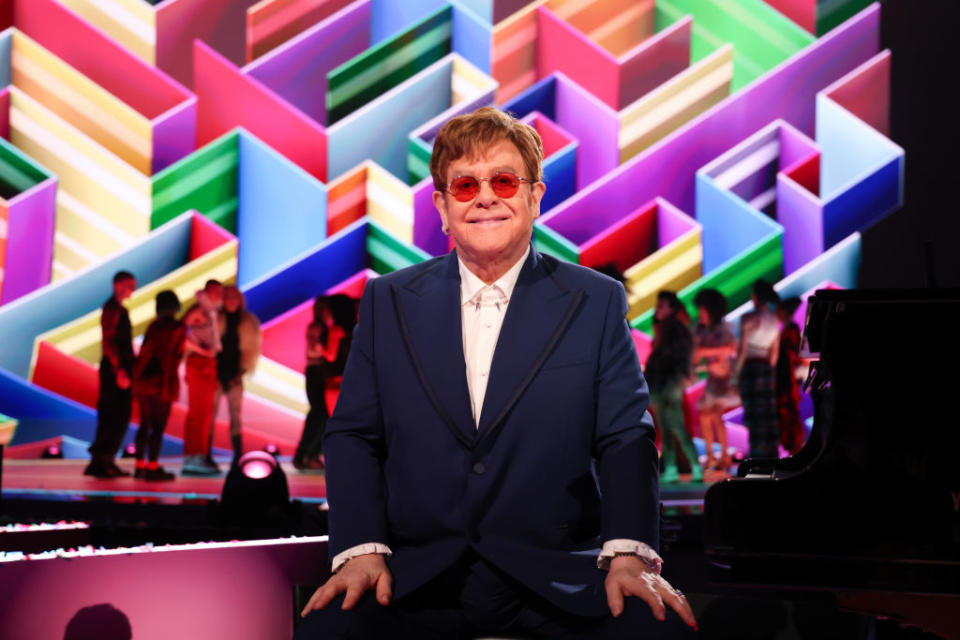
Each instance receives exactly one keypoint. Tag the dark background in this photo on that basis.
(924, 40)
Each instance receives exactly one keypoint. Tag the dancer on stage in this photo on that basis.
(156, 384)
(758, 352)
(202, 346)
(715, 346)
(240, 339)
(328, 343)
(668, 373)
(491, 466)
(115, 399)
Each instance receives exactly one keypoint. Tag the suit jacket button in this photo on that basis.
(479, 468)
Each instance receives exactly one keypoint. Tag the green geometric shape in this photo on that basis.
(831, 13)
(205, 180)
(418, 160)
(762, 37)
(734, 278)
(386, 65)
(385, 253)
(549, 241)
(18, 171)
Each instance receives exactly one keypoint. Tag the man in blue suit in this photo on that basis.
(491, 465)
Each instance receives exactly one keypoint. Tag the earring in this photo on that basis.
(445, 229)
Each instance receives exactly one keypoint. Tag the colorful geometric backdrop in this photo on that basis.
(284, 145)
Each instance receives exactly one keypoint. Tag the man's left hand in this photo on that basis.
(629, 576)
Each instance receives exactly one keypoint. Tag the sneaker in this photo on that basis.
(97, 469)
(669, 476)
(158, 475)
(196, 465)
(193, 466)
(210, 463)
(696, 474)
(140, 473)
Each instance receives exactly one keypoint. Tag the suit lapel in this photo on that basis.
(540, 310)
(428, 309)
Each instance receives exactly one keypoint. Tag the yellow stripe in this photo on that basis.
(81, 337)
(132, 23)
(84, 103)
(675, 102)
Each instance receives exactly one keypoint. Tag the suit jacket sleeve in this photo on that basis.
(354, 444)
(624, 436)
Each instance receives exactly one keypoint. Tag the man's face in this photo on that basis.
(489, 227)
(125, 288)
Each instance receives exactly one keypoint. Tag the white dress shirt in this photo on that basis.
(483, 308)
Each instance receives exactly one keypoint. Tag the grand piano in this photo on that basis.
(869, 509)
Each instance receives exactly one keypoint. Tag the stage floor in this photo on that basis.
(64, 480)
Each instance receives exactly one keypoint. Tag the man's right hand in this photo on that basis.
(358, 576)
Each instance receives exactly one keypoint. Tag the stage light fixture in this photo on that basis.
(52, 452)
(255, 492)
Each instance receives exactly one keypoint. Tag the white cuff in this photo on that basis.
(360, 550)
(622, 546)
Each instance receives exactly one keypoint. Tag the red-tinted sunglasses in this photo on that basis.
(504, 184)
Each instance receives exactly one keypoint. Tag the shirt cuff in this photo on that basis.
(360, 550)
(621, 546)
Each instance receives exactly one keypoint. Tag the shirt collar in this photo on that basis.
(471, 285)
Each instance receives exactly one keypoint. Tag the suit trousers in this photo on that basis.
(475, 599)
(113, 414)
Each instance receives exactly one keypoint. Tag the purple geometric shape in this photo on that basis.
(668, 168)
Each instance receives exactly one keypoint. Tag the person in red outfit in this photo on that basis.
(202, 345)
(114, 401)
(156, 384)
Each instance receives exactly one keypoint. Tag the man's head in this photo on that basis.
(124, 284)
(232, 299)
(487, 172)
(214, 291)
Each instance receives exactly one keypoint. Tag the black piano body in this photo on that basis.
(870, 507)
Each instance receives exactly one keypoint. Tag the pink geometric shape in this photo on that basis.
(228, 99)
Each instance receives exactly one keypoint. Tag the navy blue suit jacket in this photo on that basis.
(406, 465)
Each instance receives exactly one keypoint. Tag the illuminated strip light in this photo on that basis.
(91, 217)
(61, 271)
(81, 102)
(120, 14)
(395, 61)
(668, 108)
(748, 166)
(81, 163)
(72, 245)
(763, 200)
